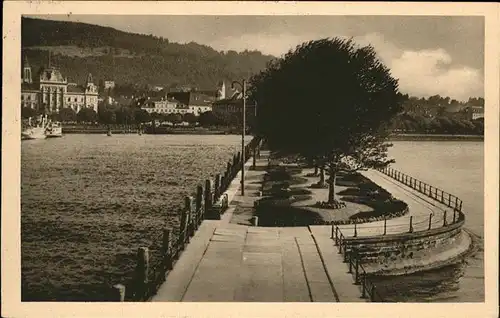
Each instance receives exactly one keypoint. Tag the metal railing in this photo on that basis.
(351, 257)
(413, 224)
(435, 193)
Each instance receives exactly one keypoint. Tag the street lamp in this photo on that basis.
(243, 85)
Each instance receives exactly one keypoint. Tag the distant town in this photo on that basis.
(50, 92)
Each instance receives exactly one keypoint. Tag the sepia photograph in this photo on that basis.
(265, 158)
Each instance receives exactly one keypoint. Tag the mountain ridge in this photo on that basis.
(131, 58)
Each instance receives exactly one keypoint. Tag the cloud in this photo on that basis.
(426, 72)
(420, 72)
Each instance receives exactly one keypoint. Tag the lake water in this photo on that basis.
(458, 168)
(88, 202)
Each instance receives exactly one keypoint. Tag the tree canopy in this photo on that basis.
(329, 100)
(86, 115)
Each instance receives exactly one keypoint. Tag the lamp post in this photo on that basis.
(243, 85)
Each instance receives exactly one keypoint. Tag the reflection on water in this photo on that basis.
(456, 167)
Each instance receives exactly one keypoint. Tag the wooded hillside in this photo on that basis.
(79, 48)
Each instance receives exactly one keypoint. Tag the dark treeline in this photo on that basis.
(133, 58)
(438, 115)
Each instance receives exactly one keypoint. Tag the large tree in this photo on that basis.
(67, 114)
(328, 100)
(86, 115)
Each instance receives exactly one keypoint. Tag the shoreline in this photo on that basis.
(435, 137)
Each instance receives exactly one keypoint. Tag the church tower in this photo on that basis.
(27, 71)
(222, 90)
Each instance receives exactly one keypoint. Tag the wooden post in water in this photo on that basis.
(142, 272)
(411, 224)
(217, 191)
(199, 205)
(385, 225)
(445, 222)
(356, 277)
(355, 229)
(430, 220)
(183, 233)
(119, 292)
(228, 170)
(167, 253)
(188, 207)
(208, 198)
(350, 261)
(254, 157)
(372, 294)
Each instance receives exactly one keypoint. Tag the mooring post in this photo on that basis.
(350, 261)
(372, 294)
(385, 225)
(411, 223)
(216, 187)
(356, 276)
(167, 253)
(199, 205)
(445, 222)
(119, 292)
(254, 157)
(142, 272)
(255, 220)
(355, 229)
(184, 235)
(430, 220)
(208, 198)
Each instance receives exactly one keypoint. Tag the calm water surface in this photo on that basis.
(89, 201)
(458, 168)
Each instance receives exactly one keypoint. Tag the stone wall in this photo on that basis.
(378, 252)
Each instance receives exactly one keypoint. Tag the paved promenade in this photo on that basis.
(227, 262)
(420, 207)
(230, 260)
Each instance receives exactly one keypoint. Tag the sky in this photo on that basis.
(428, 54)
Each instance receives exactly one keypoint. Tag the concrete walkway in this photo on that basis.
(230, 260)
(227, 262)
(420, 207)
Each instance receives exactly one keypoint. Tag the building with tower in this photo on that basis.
(50, 91)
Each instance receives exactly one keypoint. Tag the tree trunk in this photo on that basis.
(331, 185)
(322, 176)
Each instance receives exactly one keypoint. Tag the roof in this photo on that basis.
(29, 87)
(192, 98)
(74, 89)
(51, 74)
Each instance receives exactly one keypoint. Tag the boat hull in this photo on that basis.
(34, 133)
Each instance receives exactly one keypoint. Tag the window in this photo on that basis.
(29, 97)
(76, 99)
